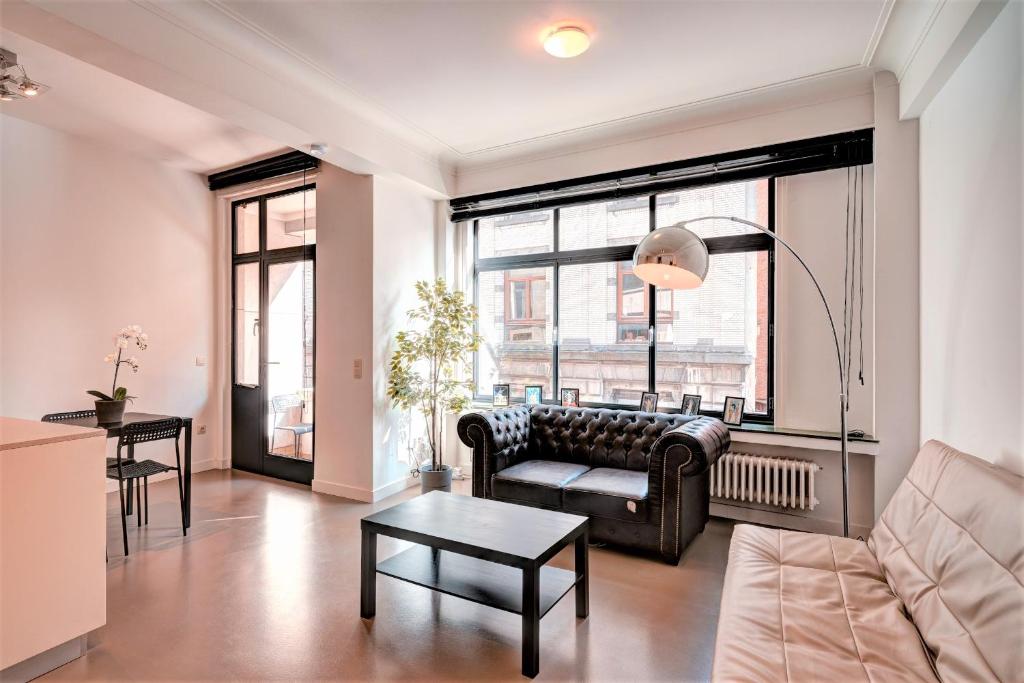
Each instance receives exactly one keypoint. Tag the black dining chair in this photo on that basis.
(82, 415)
(129, 470)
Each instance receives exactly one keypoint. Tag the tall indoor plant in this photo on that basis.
(426, 366)
(110, 407)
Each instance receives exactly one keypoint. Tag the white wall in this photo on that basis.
(403, 252)
(811, 215)
(343, 461)
(92, 240)
(375, 238)
(971, 251)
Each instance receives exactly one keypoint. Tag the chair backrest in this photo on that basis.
(64, 417)
(951, 544)
(598, 437)
(284, 402)
(153, 430)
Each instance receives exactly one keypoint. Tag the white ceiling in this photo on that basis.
(473, 76)
(89, 102)
(433, 91)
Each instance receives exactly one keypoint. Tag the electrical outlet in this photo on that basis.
(357, 368)
(202, 429)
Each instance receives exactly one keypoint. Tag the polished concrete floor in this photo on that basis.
(266, 587)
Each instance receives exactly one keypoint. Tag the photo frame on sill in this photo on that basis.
(534, 394)
(690, 405)
(649, 402)
(733, 412)
(500, 395)
(569, 397)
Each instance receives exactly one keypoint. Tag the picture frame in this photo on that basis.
(534, 394)
(569, 397)
(649, 402)
(690, 404)
(500, 394)
(732, 413)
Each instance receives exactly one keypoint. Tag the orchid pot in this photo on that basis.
(110, 412)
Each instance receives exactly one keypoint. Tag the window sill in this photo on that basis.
(771, 435)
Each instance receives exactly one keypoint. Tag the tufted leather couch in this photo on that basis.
(642, 478)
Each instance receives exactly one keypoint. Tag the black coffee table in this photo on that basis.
(486, 551)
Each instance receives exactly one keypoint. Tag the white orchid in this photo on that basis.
(122, 342)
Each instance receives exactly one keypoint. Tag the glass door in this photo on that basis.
(274, 348)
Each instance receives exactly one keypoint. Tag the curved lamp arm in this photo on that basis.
(844, 405)
(821, 294)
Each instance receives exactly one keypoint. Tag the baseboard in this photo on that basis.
(197, 466)
(397, 486)
(363, 495)
(343, 491)
(782, 520)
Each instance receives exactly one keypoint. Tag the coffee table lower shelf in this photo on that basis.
(479, 581)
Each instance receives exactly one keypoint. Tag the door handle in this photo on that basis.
(271, 362)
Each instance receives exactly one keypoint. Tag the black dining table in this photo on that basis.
(114, 431)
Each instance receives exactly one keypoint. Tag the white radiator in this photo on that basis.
(782, 482)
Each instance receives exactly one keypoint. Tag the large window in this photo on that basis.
(560, 305)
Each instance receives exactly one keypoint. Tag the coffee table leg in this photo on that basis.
(531, 621)
(582, 577)
(368, 576)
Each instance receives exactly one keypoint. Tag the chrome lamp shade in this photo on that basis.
(672, 258)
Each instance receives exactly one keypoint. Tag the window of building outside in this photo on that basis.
(567, 272)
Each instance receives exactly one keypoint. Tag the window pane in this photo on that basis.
(291, 220)
(515, 234)
(716, 342)
(607, 224)
(747, 200)
(516, 324)
(247, 320)
(247, 228)
(603, 351)
(289, 375)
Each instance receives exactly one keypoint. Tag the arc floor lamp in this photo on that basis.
(675, 257)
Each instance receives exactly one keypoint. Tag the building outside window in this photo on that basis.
(592, 330)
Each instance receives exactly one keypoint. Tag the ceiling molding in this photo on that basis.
(924, 42)
(876, 35)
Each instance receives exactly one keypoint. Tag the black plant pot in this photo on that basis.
(108, 412)
(435, 480)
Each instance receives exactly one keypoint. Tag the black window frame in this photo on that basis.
(557, 258)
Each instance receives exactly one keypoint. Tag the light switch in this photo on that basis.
(357, 368)
(200, 361)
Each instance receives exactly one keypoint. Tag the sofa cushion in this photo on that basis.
(811, 607)
(608, 492)
(951, 544)
(535, 482)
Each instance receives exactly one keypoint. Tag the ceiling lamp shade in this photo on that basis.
(671, 258)
(567, 41)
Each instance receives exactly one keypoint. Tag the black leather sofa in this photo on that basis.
(642, 478)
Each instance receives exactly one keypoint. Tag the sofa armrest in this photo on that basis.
(498, 438)
(678, 458)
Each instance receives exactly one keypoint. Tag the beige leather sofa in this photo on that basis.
(937, 592)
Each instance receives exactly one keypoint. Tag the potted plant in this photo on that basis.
(110, 407)
(425, 367)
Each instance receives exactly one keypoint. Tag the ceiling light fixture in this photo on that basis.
(566, 41)
(14, 82)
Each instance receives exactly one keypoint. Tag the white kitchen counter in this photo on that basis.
(52, 544)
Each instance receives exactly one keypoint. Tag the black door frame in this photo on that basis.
(291, 469)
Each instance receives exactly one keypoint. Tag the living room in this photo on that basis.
(398, 301)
